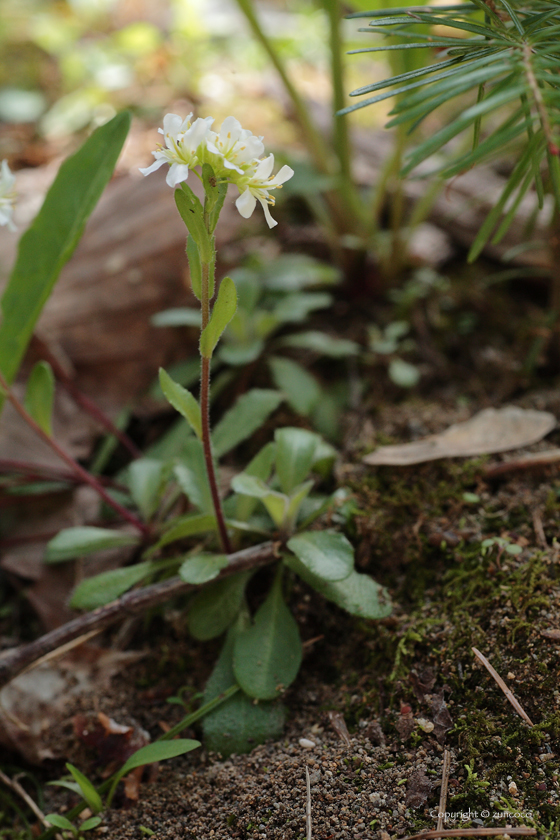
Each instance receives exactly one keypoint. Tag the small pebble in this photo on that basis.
(306, 743)
(512, 787)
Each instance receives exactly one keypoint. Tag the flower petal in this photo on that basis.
(177, 172)
(264, 168)
(246, 203)
(283, 175)
(270, 221)
(155, 165)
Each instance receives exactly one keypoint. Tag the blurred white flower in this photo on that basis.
(255, 187)
(183, 140)
(7, 196)
(235, 145)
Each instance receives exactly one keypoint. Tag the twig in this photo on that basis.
(308, 804)
(539, 530)
(16, 660)
(81, 399)
(537, 459)
(22, 793)
(492, 671)
(78, 470)
(472, 832)
(443, 792)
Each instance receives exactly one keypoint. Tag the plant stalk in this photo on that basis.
(205, 417)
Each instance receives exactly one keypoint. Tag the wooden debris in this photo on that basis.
(492, 671)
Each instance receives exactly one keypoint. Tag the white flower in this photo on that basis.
(256, 186)
(235, 145)
(7, 196)
(183, 140)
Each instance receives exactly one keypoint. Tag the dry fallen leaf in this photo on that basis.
(491, 430)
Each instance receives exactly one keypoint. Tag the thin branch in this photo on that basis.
(22, 793)
(16, 660)
(443, 792)
(473, 832)
(492, 671)
(78, 470)
(537, 459)
(308, 804)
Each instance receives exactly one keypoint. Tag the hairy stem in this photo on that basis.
(83, 475)
(205, 417)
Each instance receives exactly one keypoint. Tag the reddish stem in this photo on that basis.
(78, 470)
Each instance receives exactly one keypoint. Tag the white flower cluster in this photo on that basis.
(234, 153)
(7, 196)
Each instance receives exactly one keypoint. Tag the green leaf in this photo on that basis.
(158, 751)
(192, 213)
(247, 415)
(39, 395)
(146, 480)
(275, 503)
(403, 373)
(239, 724)
(213, 610)
(294, 504)
(179, 317)
(295, 308)
(191, 476)
(150, 754)
(222, 313)
(88, 790)
(182, 401)
(94, 592)
(295, 453)
(52, 237)
(215, 194)
(90, 823)
(259, 467)
(202, 568)
(85, 539)
(357, 594)
(195, 268)
(326, 554)
(302, 390)
(293, 272)
(188, 526)
(267, 656)
(60, 822)
(323, 344)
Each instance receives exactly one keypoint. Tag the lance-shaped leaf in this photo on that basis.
(188, 526)
(275, 503)
(213, 610)
(267, 656)
(150, 754)
(146, 482)
(295, 453)
(85, 539)
(239, 724)
(181, 400)
(192, 213)
(39, 395)
(326, 554)
(101, 589)
(246, 416)
(50, 241)
(215, 192)
(87, 789)
(358, 594)
(222, 313)
(195, 268)
(202, 568)
(302, 390)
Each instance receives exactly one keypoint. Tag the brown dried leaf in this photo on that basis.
(418, 789)
(491, 430)
(422, 682)
(405, 723)
(551, 634)
(441, 717)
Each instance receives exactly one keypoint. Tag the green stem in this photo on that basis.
(205, 413)
(314, 140)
